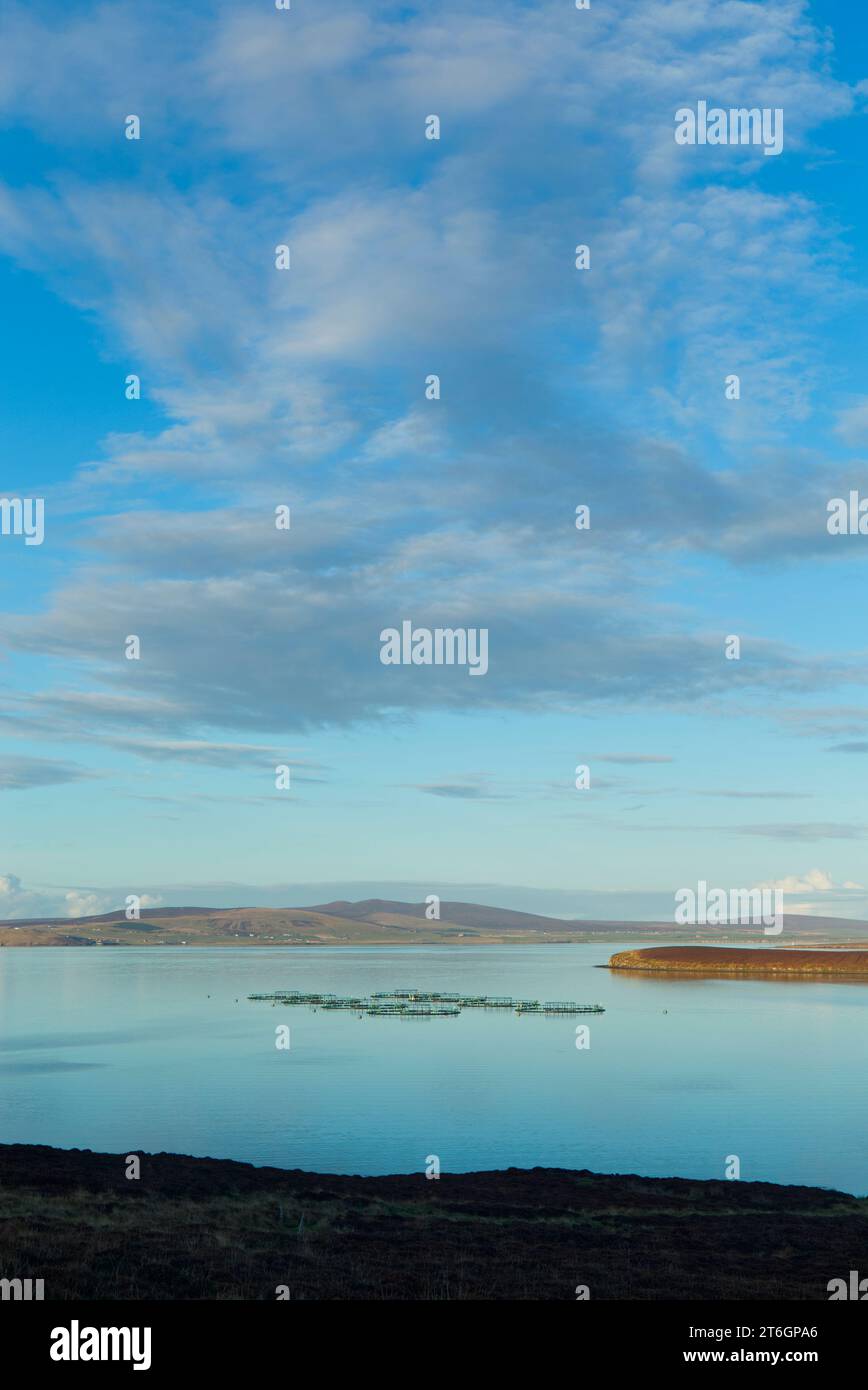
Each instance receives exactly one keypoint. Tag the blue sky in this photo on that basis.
(307, 387)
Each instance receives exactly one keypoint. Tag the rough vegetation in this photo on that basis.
(193, 1228)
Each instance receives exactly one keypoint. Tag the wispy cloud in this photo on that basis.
(307, 388)
(22, 773)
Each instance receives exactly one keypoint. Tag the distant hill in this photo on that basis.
(463, 914)
(378, 921)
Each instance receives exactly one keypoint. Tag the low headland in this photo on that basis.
(203, 1228)
(743, 960)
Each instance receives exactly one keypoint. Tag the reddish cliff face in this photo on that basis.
(741, 960)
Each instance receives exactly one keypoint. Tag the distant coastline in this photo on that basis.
(380, 922)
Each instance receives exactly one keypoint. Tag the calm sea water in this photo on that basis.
(158, 1049)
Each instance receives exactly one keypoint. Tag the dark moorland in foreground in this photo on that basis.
(194, 1228)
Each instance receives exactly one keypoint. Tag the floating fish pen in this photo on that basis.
(422, 996)
(402, 996)
(565, 1006)
(417, 1003)
(290, 995)
(294, 996)
(412, 1010)
(485, 1001)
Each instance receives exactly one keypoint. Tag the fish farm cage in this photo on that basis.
(420, 1003)
(411, 1010)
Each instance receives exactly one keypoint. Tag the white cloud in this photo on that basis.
(17, 902)
(852, 424)
(814, 881)
(84, 904)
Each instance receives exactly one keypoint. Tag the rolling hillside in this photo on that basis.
(377, 922)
